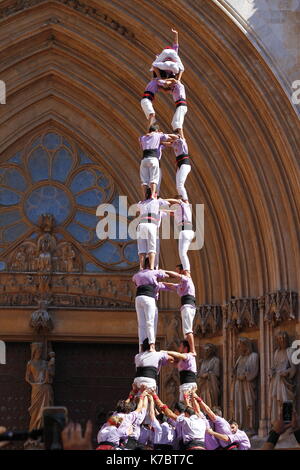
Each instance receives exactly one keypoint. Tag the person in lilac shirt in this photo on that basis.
(151, 144)
(147, 230)
(222, 430)
(164, 432)
(166, 79)
(183, 220)
(187, 368)
(186, 291)
(148, 364)
(148, 286)
(168, 63)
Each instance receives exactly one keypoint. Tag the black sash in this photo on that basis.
(188, 300)
(150, 218)
(194, 443)
(150, 153)
(183, 159)
(185, 225)
(146, 289)
(148, 371)
(149, 95)
(233, 445)
(180, 102)
(187, 376)
(107, 443)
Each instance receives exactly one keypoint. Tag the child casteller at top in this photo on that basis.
(167, 72)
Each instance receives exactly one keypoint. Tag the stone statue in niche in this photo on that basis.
(282, 374)
(244, 384)
(208, 375)
(39, 374)
(20, 261)
(45, 249)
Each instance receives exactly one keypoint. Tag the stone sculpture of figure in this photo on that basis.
(39, 374)
(208, 375)
(46, 246)
(282, 373)
(244, 385)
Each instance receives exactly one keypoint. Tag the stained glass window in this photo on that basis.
(54, 175)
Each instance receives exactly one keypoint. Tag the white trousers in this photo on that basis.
(149, 383)
(181, 176)
(149, 171)
(147, 107)
(156, 262)
(146, 238)
(184, 242)
(178, 118)
(147, 316)
(170, 54)
(187, 318)
(185, 388)
(168, 65)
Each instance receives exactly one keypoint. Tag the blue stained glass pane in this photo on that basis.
(62, 164)
(102, 182)
(79, 233)
(12, 233)
(38, 165)
(59, 236)
(51, 141)
(107, 253)
(48, 200)
(91, 198)
(13, 178)
(16, 158)
(121, 265)
(7, 218)
(89, 220)
(92, 268)
(83, 180)
(83, 157)
(131, 253)
(2, 266)
(8, 198)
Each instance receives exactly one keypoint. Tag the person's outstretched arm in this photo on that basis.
(177, 355)
(174, 274)
(217, 435)
(204, 407)
(175, 41)
(163, 408)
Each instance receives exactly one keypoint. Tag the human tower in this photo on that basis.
(167, 71)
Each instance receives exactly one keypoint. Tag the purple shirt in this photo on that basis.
(163, 433)
(180, 146)
(211, 442)
(137, 424)
(186, 286)
(144, 436)
(193, 428)
(241, 438)
(178, 92)
(222, 427)
(151, 359)
(183, 213)
(187, 364)
(148, 276)
(153, 141)
(152, 206)
(109, 433)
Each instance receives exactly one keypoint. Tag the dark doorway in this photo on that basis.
(14, 391)
(91, 377)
